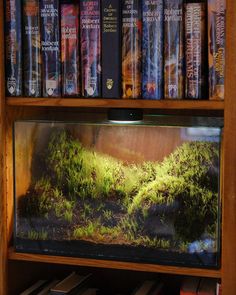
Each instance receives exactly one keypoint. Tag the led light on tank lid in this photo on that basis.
(125, 116)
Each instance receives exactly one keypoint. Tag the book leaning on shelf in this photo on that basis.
(71, 285)
(149, 288)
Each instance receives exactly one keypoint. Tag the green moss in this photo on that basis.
(183, 189)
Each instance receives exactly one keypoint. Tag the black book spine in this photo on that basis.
(32, 56)
(111, 43)
(174, 49)
(70, 49)
(90, 35)
(152, 49)
(13, 52)
(131, 49)
(50, 44)
(196, 50)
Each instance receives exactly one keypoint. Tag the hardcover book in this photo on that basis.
(70, 285)
(93, 189)
(216, 48)
(152, 49)
(35, 288)
(196, 49)
(70, 48)
(111, 43)
(50, 45)
(207, 287)
(174, 49)
(90, 47)
(131, 49)
(145, 288)
(32, 48)
(189, 286)
(13, 41)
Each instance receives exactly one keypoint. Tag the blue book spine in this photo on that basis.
(13, 41)
(152, 49)
(50, 44)
(174, 49)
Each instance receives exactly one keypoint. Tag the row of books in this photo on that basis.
(115, 49)
(76, 284)
(200, 286)
(73, 284)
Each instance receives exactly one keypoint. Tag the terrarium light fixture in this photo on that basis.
(125, 116)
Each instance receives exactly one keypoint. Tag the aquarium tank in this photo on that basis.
(145, 191)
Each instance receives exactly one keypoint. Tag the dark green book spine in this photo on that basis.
(111, 43)
(32, 52)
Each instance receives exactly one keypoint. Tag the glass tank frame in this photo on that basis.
(98, 219)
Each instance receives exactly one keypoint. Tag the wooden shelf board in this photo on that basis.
(12, 255)
(116, 103)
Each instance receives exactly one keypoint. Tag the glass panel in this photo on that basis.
(144, 192)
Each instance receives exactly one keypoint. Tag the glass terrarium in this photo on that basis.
(144, 192)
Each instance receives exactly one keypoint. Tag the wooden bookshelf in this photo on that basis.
(211, 273)
(116, 103)
(22, 107)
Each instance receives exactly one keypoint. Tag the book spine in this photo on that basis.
(174, 49)
(90, 48)
(111, 42)
(216, 48)
(13, 54)
(31, 41)
(195, 50)
(50, 44)
(152, 49)
(70, 49)
(131, 49)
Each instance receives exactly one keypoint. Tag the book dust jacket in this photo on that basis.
(131, 49)
(174, 49)
(70, 49)
(32, 50)
(50, 45)
(216, 48)
(90, 48)
(152, 49)
(111, 43)
(13, 41)
(196, 50)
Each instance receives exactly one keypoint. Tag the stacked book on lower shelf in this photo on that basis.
(77, 284)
